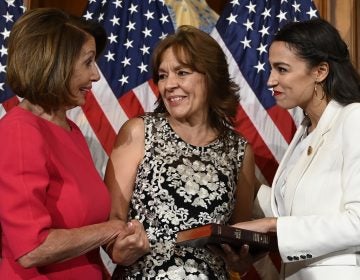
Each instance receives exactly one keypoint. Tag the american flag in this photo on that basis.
(10, 10)
(125, 89)
(245, 30)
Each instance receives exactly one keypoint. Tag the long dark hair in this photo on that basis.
(318, 41)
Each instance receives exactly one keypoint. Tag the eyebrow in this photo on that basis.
(178, 67)
(275, 64)
(89, 51)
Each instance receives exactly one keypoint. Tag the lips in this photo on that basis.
(276, 93)
(85, 89)
(174, 100)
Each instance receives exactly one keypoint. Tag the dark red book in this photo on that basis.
(217, 234)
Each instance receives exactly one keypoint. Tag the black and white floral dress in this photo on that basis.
(179, 186)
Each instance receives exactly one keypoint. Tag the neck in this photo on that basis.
(314, 114)
(197, 134)
(58, 117)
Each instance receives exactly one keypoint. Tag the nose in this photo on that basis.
(272, 81)
(95, 75)
(171, 81)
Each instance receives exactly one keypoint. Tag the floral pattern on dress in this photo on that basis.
(179, 186)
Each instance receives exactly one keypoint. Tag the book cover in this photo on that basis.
(216, 234)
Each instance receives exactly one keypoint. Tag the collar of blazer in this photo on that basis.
(325, 123)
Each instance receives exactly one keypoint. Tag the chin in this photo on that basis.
(80, 104)
(81, 101)
(284, 105)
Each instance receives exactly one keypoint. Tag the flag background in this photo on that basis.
(126, 89)
(267, 127)
(244, 30)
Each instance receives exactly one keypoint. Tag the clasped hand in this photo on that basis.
(130, 244)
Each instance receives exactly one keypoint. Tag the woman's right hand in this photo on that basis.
(239, 260)
(130, 245)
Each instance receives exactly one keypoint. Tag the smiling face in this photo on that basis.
(182, 89)
(291, 79)
(84, 73)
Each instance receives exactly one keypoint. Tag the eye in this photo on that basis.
(89, 62)
(281, 69)
(162, 76)
(183, 72)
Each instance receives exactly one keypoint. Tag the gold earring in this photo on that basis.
(315, 89)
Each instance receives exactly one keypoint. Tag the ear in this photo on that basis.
(321, 72)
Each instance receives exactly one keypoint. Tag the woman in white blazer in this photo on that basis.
(314, 202)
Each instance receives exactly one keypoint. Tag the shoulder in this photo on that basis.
(133, 124)
(16, 114)
(338, 116)
(21, 120)
(350, 115)
(153, 118)
(143, 120)
(352, 108)
(346, 126)
(334, 107)
(20, 129)
(132, 130)
(245, 150)
(238, 138)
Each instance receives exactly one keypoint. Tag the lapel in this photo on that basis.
(326, 121)
(275, 199)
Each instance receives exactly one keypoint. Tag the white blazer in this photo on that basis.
(319, 229)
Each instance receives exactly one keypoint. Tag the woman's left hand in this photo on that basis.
(260, 225)
(127, 249)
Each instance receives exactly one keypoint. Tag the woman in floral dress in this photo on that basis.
(183, 165)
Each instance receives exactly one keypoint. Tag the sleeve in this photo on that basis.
(24, 178)
(339, 228)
